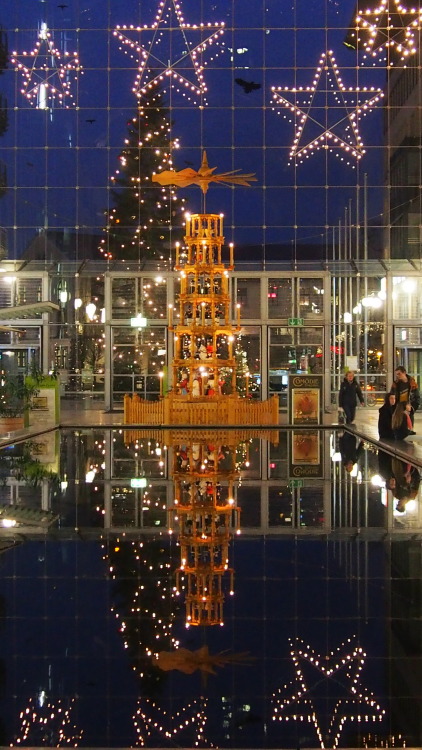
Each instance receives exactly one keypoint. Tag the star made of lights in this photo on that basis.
(389, 28)
(43, 717)
(46, 72)
(153, 720)
(342, 667)
(348, 105)
(178, 62)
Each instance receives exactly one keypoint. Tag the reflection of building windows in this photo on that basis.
(279, 294)
(248, 294)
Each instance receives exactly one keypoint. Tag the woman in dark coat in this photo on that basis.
(350, 391)
(386, 412)
(401, 422)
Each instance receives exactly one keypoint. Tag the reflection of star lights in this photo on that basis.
(342, 667)
(169, 724)
(46, 72)
(43, 718)
(349, 104)
(169, 56)
(388, 27)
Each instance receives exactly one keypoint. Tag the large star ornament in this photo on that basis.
(387, 28)
(154, 721)
(326, 113)
(47, 72)
(169, 57)
(327, 685)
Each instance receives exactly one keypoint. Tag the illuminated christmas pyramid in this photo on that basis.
(205, 515)
(206, 327)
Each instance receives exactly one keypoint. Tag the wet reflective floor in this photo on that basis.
(209, 589)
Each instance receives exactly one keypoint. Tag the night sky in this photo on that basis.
(60, 160)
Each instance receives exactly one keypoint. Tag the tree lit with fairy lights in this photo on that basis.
(143, 603)
(146, 218)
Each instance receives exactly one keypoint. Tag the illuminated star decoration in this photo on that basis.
(168, 55)
(312, 114)
(336, 675)
(44, 722)
(153, 720)
(388, 28)
(202, 177)
(46, 72)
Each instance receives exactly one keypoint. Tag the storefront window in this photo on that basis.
(145, 296)
(311, 298)
(407, 296)
(138, 356)
(78, 354)
(248, 361)
(279, 293)
(248, 296)
(293, 350)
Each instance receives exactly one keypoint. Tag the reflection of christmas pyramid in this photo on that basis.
(204, 365)
(206, 516)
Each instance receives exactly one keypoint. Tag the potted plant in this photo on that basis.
(15, 400)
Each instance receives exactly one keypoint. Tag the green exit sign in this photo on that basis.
(296, 321)
(138, 482)
(295, 483)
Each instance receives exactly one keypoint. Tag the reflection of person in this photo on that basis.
(350, 448)
(406, 482)
(401, 421)
(350, 391)
(385, 469)
(406, 389)
(386, 411)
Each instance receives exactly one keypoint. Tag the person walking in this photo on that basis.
(406, 390)
(401, 421)
(350, 392)
(385, 430)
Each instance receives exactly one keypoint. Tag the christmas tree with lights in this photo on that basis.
(143, 603)
(146, 218)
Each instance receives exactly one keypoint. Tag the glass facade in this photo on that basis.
(326, 566)
(318, 103)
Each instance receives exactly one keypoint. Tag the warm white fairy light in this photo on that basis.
(56, 717)
(47, 72)
(162, 629)
(343, 135)
(389, 28)
(134, 241)
(170, 725)
(166, 64)
(345, 664)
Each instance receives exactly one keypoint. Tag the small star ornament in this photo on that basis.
(387, 31)
(47, 72)
(326, 113)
